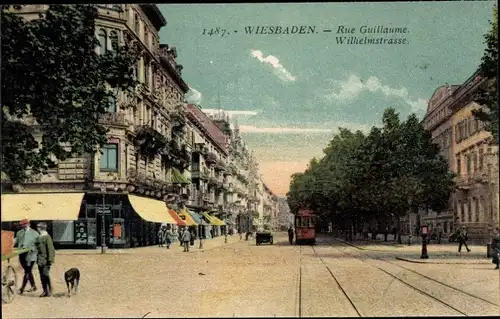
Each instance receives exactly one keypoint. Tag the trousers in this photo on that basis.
(186, 245)
(28, 271)
(45, 278)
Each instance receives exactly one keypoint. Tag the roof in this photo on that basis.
(212, 130)
(154, 14)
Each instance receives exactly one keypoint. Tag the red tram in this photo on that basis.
(305, 223)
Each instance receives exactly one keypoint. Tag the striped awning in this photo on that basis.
(213, 220)
(177, 218)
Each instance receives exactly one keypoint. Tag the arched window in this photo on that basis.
(102, 41)
(113, 38)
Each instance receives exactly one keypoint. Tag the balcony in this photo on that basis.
(117, 119)
(465, 182)
(200, 148)
(211, 159)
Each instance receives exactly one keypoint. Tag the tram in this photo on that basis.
(305, 223)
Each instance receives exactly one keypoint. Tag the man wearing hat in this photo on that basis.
(46, 256)
(26, 238)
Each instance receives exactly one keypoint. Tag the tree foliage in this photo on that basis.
(52, 77)
(487, 95)
(382, 175)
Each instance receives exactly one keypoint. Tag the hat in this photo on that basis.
(24, 222)
(42, 225)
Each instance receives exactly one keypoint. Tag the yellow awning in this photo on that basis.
(213, 220)
(186, 217)
(218, 221)
(46, 206)
(151, 210)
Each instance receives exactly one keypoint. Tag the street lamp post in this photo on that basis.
(424, 232)
(103, 223)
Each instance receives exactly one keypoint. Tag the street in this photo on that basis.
(240, 279)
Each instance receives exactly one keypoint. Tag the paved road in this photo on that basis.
(241, 279)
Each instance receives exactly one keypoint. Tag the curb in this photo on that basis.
(440, 263)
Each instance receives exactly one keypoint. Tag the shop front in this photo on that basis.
(120, 220)
(202, 225)
(188, 220)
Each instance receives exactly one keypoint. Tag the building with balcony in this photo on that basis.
(466, 146)
(269, 209)
(118, 194)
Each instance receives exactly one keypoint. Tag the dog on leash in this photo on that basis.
(72, 276)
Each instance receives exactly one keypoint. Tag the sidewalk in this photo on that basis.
(438, 254)
(208, 244)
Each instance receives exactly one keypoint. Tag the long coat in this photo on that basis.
(27, 239)
(46, 250)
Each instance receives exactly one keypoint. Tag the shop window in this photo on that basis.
(102, 41)
(109, 157)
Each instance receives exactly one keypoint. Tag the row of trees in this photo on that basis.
(380, 176)
(51, 72)
(392, 170)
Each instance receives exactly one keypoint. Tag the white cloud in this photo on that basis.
(296, 130)
(279, 69)
(193, 96)
(232, 113)
(350, 89)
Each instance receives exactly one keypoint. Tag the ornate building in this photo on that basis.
(117, 196)
(466, 146)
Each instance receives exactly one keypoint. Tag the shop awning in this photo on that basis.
(46, 206)
(218, 221)
(186, 217)
(178, 177)
(178, 219)
(213, 220)
(199, 220)
(151, 210)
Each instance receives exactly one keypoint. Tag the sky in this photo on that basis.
(289, 93)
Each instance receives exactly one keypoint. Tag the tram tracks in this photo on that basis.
(485, 303)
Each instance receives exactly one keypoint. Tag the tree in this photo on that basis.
(487, 95)
(55, 87)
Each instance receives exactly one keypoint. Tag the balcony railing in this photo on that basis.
(118, 118)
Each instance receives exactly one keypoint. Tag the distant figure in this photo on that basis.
(169, 237)
(462, 239)
(185, 239)
(495, 247)
(161, 236)
(290, 235)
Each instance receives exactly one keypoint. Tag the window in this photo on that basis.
(109, 157)
(477, 209)
(136, 70)
(469, 210)
(481, 159)
(459, 164)
(463, 212)
(102, 41)
(466, 129)
(457, 133)
(146, 73)
(111, 105)
(146, 39)
(469, 163)
(113, 38)
(474, 159)
(137, 25)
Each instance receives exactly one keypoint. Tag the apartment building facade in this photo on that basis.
(466, 146)
(119, 193)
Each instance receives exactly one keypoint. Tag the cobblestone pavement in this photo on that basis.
(238, 279)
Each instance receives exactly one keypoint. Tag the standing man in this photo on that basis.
(45, 258)
(26, 238)
(290, 235)
(186, 238)
(462, 239)
(495, 247)
(161, 236)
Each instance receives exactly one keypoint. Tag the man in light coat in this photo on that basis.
(45, 258)
(186, 238)
(25, 239)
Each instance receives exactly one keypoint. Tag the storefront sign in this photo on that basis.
(63, 231)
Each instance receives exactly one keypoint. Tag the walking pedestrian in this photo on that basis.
(26, 238)
(185, 239)
(290, 235)
(495, 247)
(45, 258)
(161, 236)
(169, 236)
(462, 239)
